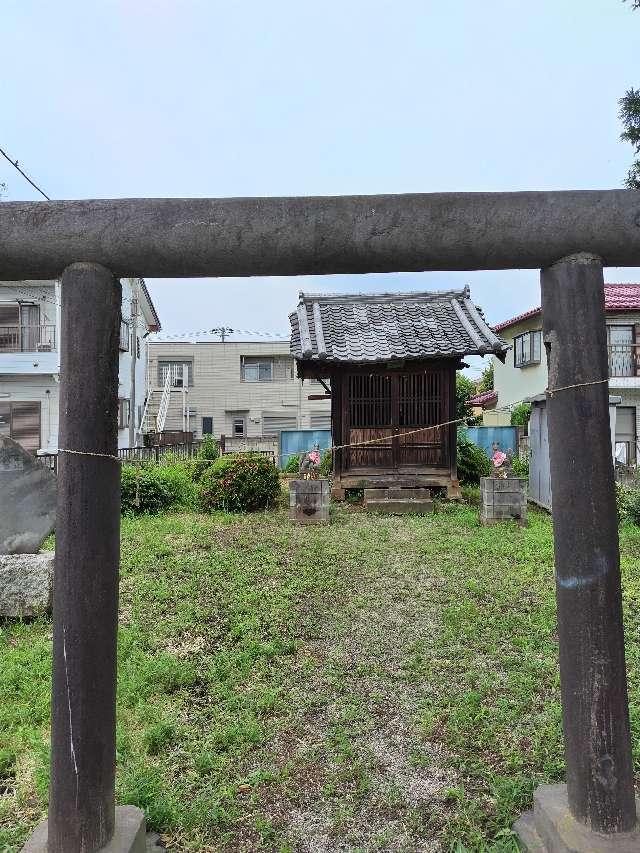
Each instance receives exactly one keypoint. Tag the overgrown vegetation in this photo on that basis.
(326, 464)
(154, 488)
(293, 464)
(464, 389)
(239, 483)
(485, 383)
(473, 462)
(383, 683)
(520, 466)
(521, 414)
(628, 503)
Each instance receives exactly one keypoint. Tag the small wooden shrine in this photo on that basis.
(389, 363)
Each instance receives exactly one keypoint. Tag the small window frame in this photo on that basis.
(528, 351)
(124, 342)
(239, 420)
(257, 365)
(124, 412)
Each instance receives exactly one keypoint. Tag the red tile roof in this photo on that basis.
(617, 297)
(484, 399)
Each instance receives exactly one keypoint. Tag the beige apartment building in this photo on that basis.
(236, 389)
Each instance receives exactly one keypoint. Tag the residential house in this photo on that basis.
(391, 360)
(242, 390)
(30, 360)
(524, 373)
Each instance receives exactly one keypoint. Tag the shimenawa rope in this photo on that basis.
(549, 391)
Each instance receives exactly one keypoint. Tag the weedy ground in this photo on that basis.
(379, 684)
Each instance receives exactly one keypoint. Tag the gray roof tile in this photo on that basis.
(367, 327)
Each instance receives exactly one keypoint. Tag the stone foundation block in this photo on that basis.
(26, 585)
(309, 501)
(129, 836)
(551, 828)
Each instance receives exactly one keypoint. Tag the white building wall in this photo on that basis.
(34, 377)
(219, 392)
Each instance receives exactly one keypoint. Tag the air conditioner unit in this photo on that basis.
(177, 382)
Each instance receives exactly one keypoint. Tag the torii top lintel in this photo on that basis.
(173, 238)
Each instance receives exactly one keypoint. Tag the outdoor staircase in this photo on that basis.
(398, 501)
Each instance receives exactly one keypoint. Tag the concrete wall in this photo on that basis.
(218, 390)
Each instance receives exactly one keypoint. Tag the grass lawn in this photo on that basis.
(380, 684)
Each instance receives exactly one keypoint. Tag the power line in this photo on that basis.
(15, 165)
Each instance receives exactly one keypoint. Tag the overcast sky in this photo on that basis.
(116, 98)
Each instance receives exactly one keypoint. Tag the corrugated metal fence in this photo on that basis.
(485, 436)
(293, 441)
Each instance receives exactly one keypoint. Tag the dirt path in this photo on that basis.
(362, 776)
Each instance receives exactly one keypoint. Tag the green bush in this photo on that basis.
(473, 462)
(240, 483)
(154, 488)
(521, 466)
(293, 464)
(521, 414)
(208, 451)
(326, 464)
(628, 503)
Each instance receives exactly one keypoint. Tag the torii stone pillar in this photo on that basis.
(82, 813)
(595, 812)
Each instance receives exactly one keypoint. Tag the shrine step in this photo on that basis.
(399, 507)
(397, 494)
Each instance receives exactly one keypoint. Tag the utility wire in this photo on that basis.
(15, 165)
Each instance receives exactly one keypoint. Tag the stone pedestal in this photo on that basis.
(309, 501)
(551, 828)
(129, 835)
(503, 499)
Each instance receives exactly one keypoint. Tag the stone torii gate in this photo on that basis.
(571, 236)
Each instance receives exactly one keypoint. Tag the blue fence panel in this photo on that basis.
(485, 436)
(294, 441)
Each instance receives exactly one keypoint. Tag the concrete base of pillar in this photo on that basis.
(551, 828)
(129, 836)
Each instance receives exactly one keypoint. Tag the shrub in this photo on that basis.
(240, 483)
(521, 466)
(521, 414)
(326, 464)
(154, 488)
(293, 464)
(208, 451)
(473, 462)
(628, 503)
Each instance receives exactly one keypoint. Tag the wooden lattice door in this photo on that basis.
(390, 407)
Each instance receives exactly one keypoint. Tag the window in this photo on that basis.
(124, 413)
(256, 369)
(21, 421)
(526, 349)
(9, 327)
(238, 427)
(622, 352)
(124, 336)
(207, 426)
(179, 369)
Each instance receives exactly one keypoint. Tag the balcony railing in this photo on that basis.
(624, 360)
(41, 338)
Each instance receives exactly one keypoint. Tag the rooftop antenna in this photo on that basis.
(222, 331)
